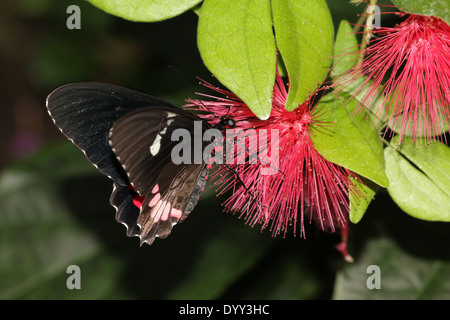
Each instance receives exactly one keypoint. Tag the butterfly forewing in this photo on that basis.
(85, 113)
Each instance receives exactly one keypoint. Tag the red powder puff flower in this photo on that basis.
(298, 186)
(414, 60)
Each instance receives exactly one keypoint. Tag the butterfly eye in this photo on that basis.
(230, 123)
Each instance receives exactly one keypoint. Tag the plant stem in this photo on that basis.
(367, 34)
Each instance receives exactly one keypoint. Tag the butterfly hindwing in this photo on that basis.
(127, 212)
(172, 201)
(142, 142)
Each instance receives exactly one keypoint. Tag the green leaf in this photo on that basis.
(415, 192)
(362, 89)
(361, 198)
(343, 60)
(197, 9)
(345, 45)
(304, 36)
(349, 140)
(145, 10)
(432, 160)
(402, 275)
(437, 8)
(236, 43)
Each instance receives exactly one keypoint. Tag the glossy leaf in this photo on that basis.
(345, 58)
(304, 36)
(415, 192)
(432, 160)
(145, 10)
(345, 46)
(349, 140)
(237, 45)
(361, 199)
(438, 8)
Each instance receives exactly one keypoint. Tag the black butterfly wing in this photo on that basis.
(85, 113)
(141, 141)
(127, 212)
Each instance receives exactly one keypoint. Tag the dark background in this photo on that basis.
(54, 208)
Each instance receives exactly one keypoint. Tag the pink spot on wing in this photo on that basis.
(155, 188)
(137, 201)
(165, 214)
(155, 211)
(176, 213)
(154, 200)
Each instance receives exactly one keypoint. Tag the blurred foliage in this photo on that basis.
(54, 208)
(54, 212)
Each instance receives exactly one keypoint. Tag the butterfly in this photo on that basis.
(126, 135)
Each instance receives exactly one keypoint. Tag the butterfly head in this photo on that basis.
(227, 123)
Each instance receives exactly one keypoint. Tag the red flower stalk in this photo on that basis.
(414, 57)
(302, 187)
